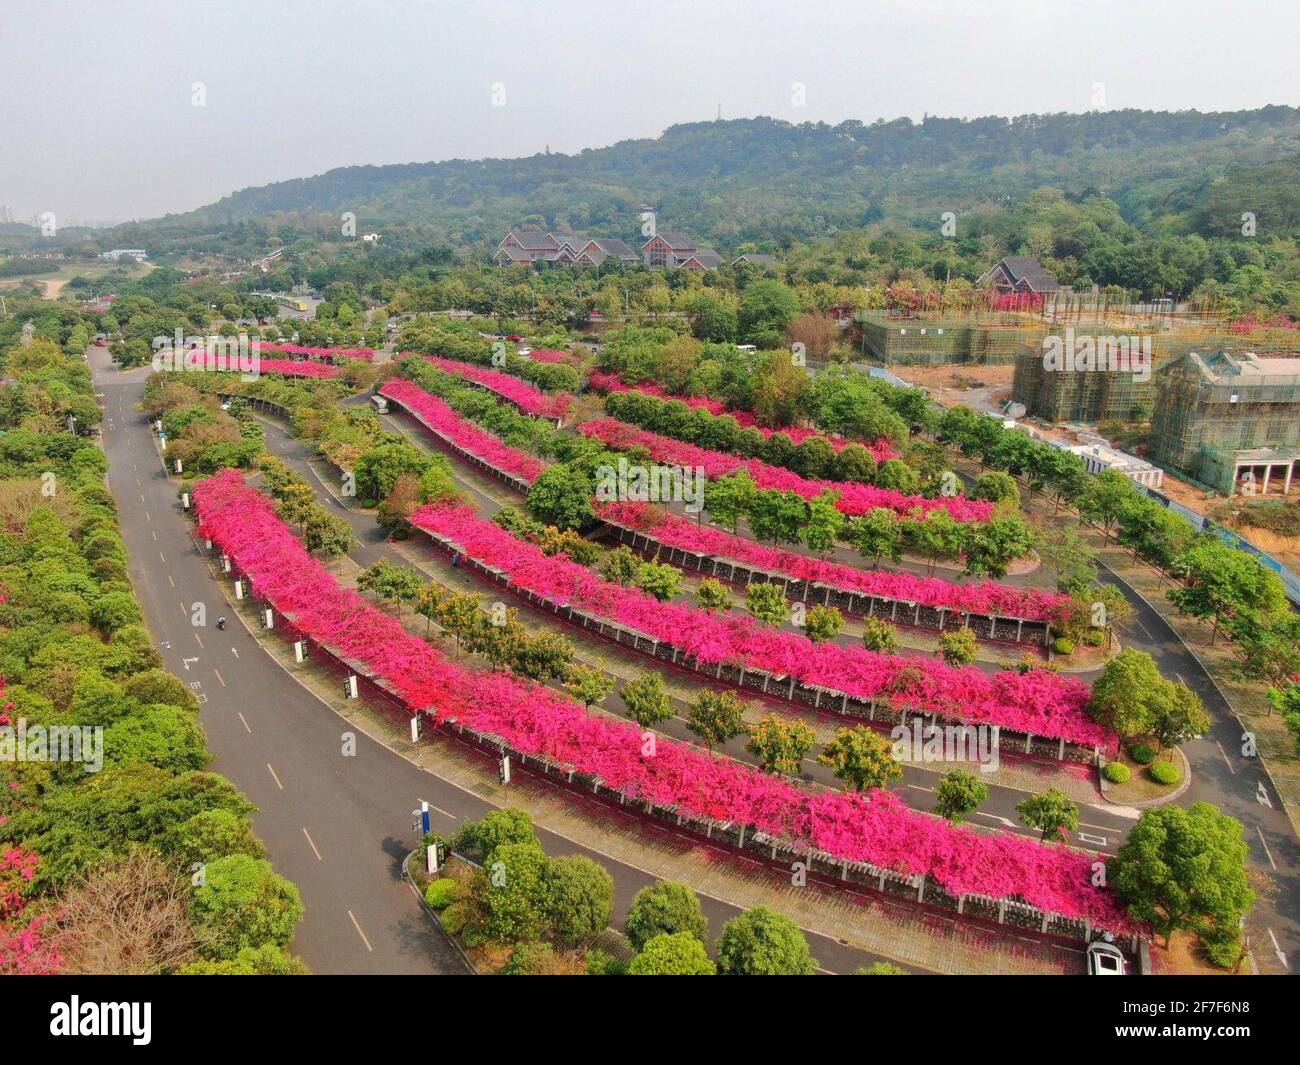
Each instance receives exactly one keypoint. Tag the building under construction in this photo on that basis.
(938, 340)
(1230, 420)
(1089, 378)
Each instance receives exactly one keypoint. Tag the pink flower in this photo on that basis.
(855, 499)
(536, 720)
(986, 597)
(528, 399)
(460, 432)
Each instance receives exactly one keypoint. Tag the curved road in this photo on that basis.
(337, 826)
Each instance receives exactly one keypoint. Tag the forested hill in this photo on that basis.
(755, 179)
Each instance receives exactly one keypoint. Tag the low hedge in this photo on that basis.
(1142, 753)
(1163, 772)
(1117, 772)
(442, 892)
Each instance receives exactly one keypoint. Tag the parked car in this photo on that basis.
(1105, 959)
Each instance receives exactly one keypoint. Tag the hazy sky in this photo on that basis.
(100, 123)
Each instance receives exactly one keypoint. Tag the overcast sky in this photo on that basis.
(99, 103)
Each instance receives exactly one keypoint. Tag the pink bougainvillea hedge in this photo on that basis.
(363, 354)
(1039, 702)
(528, 399)
(874, 827)
(551, 355)
(984, 597)
(461, 432)
(290, 368)
(603, 381)
(855, 499)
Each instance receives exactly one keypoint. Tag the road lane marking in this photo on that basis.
(218, 675)
(246, 728)
(163, 557)
(274, 777)
(1267, 852)
(1096, 841)
(170, 581)
(439, 809)
(360, 933)
(1225, 757)
(153, 534)
(314, 851)
(1281, 956)
(196, 636)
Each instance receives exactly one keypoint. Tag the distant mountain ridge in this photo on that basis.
(762, 178)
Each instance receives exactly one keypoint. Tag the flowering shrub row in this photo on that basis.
(986, 597)
(290, 368)
(875, 827)
(363, 354)
(1038, 702)
(437, 416)
(603, 381)
(855, 499)
(528, 399)
(550, 355)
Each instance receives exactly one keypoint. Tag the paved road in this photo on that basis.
(337, 826)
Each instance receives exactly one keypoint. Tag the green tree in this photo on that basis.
(1052, 813)
(959, 793)
(680, 954)
(589, 686)
(1227, 586)
(562, 496)
(824, 522)
(959, 647)
(762, 942)
(1122, 696)
(665, 908)
(511, 891)
(823, 623)
(580, 894)
(729, 500)
(767, 603)
(716, 717)
(712, 594)
(1184, 869)
(378, 469)
(659, 579)
(243, 902)
(780, 744)
(621, 566)
(862, 758)
(877, 535)
(647, 700)
(879, 635)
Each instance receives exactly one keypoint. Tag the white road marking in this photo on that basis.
(246, 728)
(196, 636)
(314, 851)
(1268, 853)
(360, 933)
(438, 809)
(219, 677)
(274, 777)
(1278, 950)
(1225, 757)
(1096, 841)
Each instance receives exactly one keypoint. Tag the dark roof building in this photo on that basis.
(755, 259)
(1020, 273)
